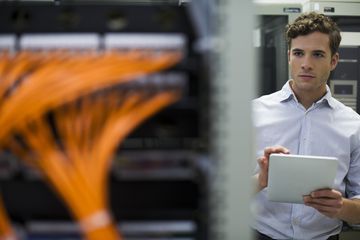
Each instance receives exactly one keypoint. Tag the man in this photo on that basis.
(303, 118)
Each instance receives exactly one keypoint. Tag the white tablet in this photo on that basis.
(293, 176)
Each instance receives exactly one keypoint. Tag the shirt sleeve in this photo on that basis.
(353, 176)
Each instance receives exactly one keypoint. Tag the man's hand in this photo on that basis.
(264, 164)
(327, 201)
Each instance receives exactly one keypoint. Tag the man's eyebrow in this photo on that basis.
(319, 51)
(314, 51)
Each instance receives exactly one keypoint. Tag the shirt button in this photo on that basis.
(296, 221)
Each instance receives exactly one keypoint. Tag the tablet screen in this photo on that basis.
(293, 176)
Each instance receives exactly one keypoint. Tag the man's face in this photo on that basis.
(310, 63)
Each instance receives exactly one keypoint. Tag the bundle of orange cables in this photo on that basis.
(6, 230)
(33, 83)
(68, 114)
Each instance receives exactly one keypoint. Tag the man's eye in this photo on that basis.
(318, 55)
(298, 54)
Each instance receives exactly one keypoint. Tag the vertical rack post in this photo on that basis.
(233, 89)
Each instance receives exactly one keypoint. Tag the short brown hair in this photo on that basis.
(311, 22)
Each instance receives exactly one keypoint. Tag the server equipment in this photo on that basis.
(158, 179)
(271, 44)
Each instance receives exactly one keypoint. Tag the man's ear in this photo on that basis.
(334, 61)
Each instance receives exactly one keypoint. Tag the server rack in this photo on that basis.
(271, 43)
(158, 180)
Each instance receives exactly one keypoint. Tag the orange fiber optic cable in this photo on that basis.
(6, 231)
(61, 80)
(5, 225)
(77, 164)
(8, 76)
(71, 134)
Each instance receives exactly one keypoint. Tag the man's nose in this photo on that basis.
(307, 64)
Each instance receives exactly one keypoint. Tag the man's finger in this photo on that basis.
(275, 149)
(326, 193)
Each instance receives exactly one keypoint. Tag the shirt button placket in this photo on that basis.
(306, 133)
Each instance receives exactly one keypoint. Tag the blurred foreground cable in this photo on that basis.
(31, 83)
(6, 231)
(67, 113)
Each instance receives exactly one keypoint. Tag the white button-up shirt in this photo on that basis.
(327, 128)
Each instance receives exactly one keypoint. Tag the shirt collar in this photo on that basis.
(287, 94)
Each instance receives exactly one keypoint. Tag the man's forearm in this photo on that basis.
(350, 211)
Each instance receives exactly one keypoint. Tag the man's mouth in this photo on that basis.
(306, 76)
